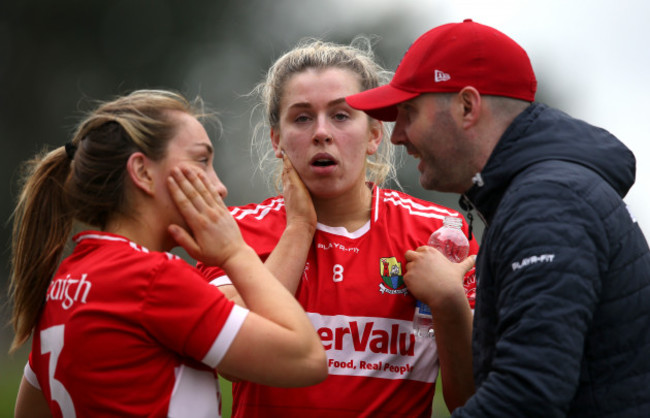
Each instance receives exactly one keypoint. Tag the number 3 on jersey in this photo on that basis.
(52, 342)
(338, 273)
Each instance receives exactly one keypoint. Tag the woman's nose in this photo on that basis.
(322, 133)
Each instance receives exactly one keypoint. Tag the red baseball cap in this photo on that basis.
(448, 58)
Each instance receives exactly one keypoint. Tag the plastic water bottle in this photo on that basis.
(452, 242)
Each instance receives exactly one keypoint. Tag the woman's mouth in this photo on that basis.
(323, 160)
(323, 163)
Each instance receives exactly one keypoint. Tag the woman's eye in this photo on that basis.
(341, 116)
(302, 118)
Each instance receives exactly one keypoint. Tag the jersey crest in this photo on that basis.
(391, 274)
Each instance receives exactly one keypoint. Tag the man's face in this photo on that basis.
(427, 126)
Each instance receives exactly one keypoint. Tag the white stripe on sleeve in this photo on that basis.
(226, 336)
(30, 376)
(221, 281)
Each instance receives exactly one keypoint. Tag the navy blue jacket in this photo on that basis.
(562, 317)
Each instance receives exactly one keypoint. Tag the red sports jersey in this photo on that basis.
(354, 294)
(128, 332)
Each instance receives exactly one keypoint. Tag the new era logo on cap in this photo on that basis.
(441, 76)
(471, 54)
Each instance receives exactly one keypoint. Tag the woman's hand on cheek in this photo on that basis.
(214, 236)
(297, 200)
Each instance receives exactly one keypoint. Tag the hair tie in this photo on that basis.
(70, 149)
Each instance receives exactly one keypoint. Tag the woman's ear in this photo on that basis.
(376, 133)
(275, 142)
(139, 169)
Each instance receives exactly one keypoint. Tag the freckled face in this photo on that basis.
(326, 140)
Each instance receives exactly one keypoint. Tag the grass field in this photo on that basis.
(11, 370)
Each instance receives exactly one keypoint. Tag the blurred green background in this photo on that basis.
(57, 57)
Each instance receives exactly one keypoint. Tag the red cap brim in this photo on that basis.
(381, 102)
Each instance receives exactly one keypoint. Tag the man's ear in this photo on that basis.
(376, 131)
(139, 169)
(470, 102)
(275, 142)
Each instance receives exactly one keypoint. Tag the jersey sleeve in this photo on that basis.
(261, 226)
(30, 376)
(188, 315)
(214, 275)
